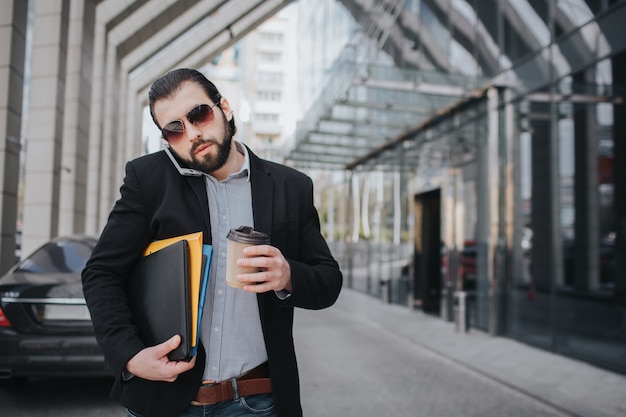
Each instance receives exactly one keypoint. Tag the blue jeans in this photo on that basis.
(253, 405)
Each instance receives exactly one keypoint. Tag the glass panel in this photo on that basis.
(437, 30)
(565, 295)
(532, 281)
(594, 5)
(590, 320)
(488, 14)
(542, 8)
(516, 45)
(566, 183)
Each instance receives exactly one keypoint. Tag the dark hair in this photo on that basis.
(169, 83)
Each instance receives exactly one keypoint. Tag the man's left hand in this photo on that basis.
(274, 271)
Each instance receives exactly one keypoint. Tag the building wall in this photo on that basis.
(529, 181)
(268, 56)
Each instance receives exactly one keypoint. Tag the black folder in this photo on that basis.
(159, 296)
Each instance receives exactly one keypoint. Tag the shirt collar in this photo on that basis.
(245, 168)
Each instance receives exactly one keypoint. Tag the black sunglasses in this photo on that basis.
(200, 115)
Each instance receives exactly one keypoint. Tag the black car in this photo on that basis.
(45, 327)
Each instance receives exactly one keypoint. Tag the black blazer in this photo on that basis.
(157, 202)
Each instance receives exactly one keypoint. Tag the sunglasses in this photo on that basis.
(200, 115)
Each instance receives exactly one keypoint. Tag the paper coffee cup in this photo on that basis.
(239, 239)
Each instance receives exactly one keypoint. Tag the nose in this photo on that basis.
(193, 131)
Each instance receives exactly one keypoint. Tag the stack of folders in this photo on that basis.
(167, 289)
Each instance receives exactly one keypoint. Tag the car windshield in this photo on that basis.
(62, 256)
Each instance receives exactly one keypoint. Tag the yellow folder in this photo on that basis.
(195, 270)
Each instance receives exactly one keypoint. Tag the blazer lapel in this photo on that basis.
(262, 187)
(199, 189)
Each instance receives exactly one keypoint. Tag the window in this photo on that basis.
(271, 37)
(270, 57)
(266, 117)
(267, 77)
(58, 257)
(269, 95)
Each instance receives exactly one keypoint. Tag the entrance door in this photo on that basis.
(427, 253)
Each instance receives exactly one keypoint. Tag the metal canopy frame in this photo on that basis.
(416, 94)
(373, 108)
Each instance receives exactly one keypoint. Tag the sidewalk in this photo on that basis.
(562, 385)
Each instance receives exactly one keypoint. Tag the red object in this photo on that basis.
(605, 170)
(4, 321)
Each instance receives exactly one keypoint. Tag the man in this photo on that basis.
(211, 184)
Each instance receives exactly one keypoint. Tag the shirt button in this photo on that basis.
(215, 367)
(224, 217)
(223, 254)
(216, 329)
(220, 292)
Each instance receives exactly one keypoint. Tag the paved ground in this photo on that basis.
(366, 358)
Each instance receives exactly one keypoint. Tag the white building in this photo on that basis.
(269, 76)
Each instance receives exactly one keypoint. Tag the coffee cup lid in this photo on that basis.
(246, 234)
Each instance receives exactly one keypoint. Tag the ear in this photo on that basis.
(225, 106)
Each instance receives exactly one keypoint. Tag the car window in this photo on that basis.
(63, 256)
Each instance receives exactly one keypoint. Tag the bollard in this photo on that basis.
(446, 307)
(443, 309)
(384, 290)
(460, 311)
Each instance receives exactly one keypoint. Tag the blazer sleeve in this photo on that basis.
(105, 274)
(315, 275)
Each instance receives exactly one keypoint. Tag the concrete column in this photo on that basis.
(490, 291)
(13, 18)
(92, 215)
(45, 123)
(108, 186)
(72, 202)
(619, 178)
(581, 260)
(102, 185)
(542, 202)
(135, 100)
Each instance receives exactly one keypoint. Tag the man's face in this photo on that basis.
(204, 143)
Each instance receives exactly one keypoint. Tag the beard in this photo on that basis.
(212, 162)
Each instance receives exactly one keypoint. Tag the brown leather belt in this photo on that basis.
(254, 382)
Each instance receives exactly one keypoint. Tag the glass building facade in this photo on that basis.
(486, 155)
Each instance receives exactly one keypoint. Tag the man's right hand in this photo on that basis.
(152, 363)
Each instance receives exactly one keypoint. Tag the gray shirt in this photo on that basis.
(231, 327)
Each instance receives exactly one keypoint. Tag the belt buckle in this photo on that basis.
(207, 384)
